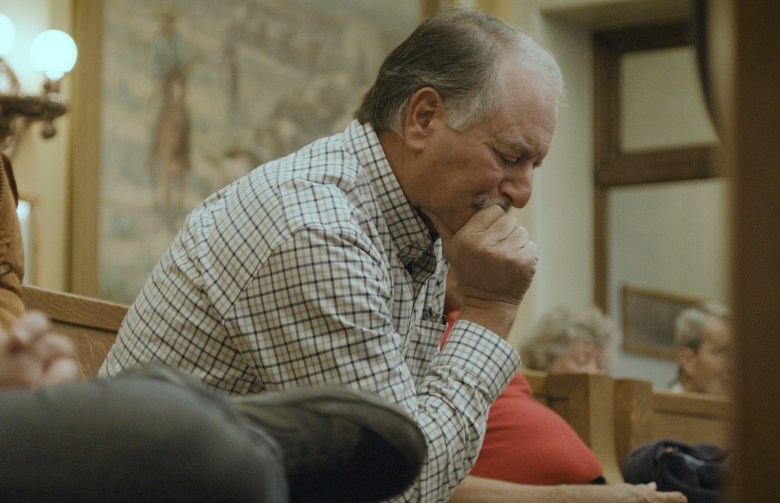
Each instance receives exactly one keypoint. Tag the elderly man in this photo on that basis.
(328, 266)
(703, 341)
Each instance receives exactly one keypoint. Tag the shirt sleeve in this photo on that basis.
(324, 300)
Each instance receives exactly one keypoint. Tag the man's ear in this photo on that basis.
(685, 359)
(423, 107)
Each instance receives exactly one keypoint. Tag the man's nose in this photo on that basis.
(518, 184)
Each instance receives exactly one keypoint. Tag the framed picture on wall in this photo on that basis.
(192, 96)
(649, 320)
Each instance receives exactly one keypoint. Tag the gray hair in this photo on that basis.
(689, 326)
(458, 52)
(556, 331)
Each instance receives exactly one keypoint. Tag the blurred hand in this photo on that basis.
(498, 491)
(31, 355)
(641, 493)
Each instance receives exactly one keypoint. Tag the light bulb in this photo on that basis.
(7, 35)
(53, 52)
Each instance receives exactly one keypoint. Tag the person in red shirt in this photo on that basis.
(528, 443)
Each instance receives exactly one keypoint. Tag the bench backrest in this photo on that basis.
(615, 416)
(91, 323)
(612, 416)
(585, 401)
(644, 414)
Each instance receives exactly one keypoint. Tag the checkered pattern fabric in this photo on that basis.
(313, 269)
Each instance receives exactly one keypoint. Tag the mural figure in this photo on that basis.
(168, 158)
(230, 64)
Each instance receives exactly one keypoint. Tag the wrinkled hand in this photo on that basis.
(31, 355)
(494, 261)
(642, 493)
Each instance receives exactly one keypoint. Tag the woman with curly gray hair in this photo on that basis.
(570, 340)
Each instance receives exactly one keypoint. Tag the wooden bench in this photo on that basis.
(615, 416)
(612, 416)
(644, 414)
(91, 323)
(585, 401)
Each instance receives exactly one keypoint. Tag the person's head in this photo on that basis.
(570, 340)
(167, 19)
(466, 109)
(703, 345)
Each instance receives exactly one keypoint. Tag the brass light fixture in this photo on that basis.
(53, 53)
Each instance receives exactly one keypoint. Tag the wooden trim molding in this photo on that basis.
(613, 166)
(85, 151)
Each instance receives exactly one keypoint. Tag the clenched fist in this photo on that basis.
(494, 261)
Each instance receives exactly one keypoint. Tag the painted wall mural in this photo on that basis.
(196, 94)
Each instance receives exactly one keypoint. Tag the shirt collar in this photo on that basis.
(407, 229)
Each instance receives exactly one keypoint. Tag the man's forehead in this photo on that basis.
(525, 134)
(524, 141)
(717, 329)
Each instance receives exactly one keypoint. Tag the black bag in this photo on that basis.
(696, 470)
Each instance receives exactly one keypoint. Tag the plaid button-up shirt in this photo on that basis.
(315, 268)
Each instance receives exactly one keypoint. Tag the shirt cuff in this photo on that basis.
(481, 353)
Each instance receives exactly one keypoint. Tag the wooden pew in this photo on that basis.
(612, 416)
(586, 402)
(91, 323)
(643, 415)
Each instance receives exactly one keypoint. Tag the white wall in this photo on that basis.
(672, 238)
(560, 216)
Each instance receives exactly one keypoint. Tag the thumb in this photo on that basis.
(445, 233)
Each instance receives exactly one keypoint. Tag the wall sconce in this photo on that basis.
(53, 53)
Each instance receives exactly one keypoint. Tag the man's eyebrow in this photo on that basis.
(517, 146)
(523, 147)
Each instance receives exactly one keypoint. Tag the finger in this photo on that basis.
(27, 329)
(529, 251)
(503, 229)
(52, 347)
(529, 258)
(60, 371)
(518, 235)
(516, 245)
(20, 375)
(486, 217)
